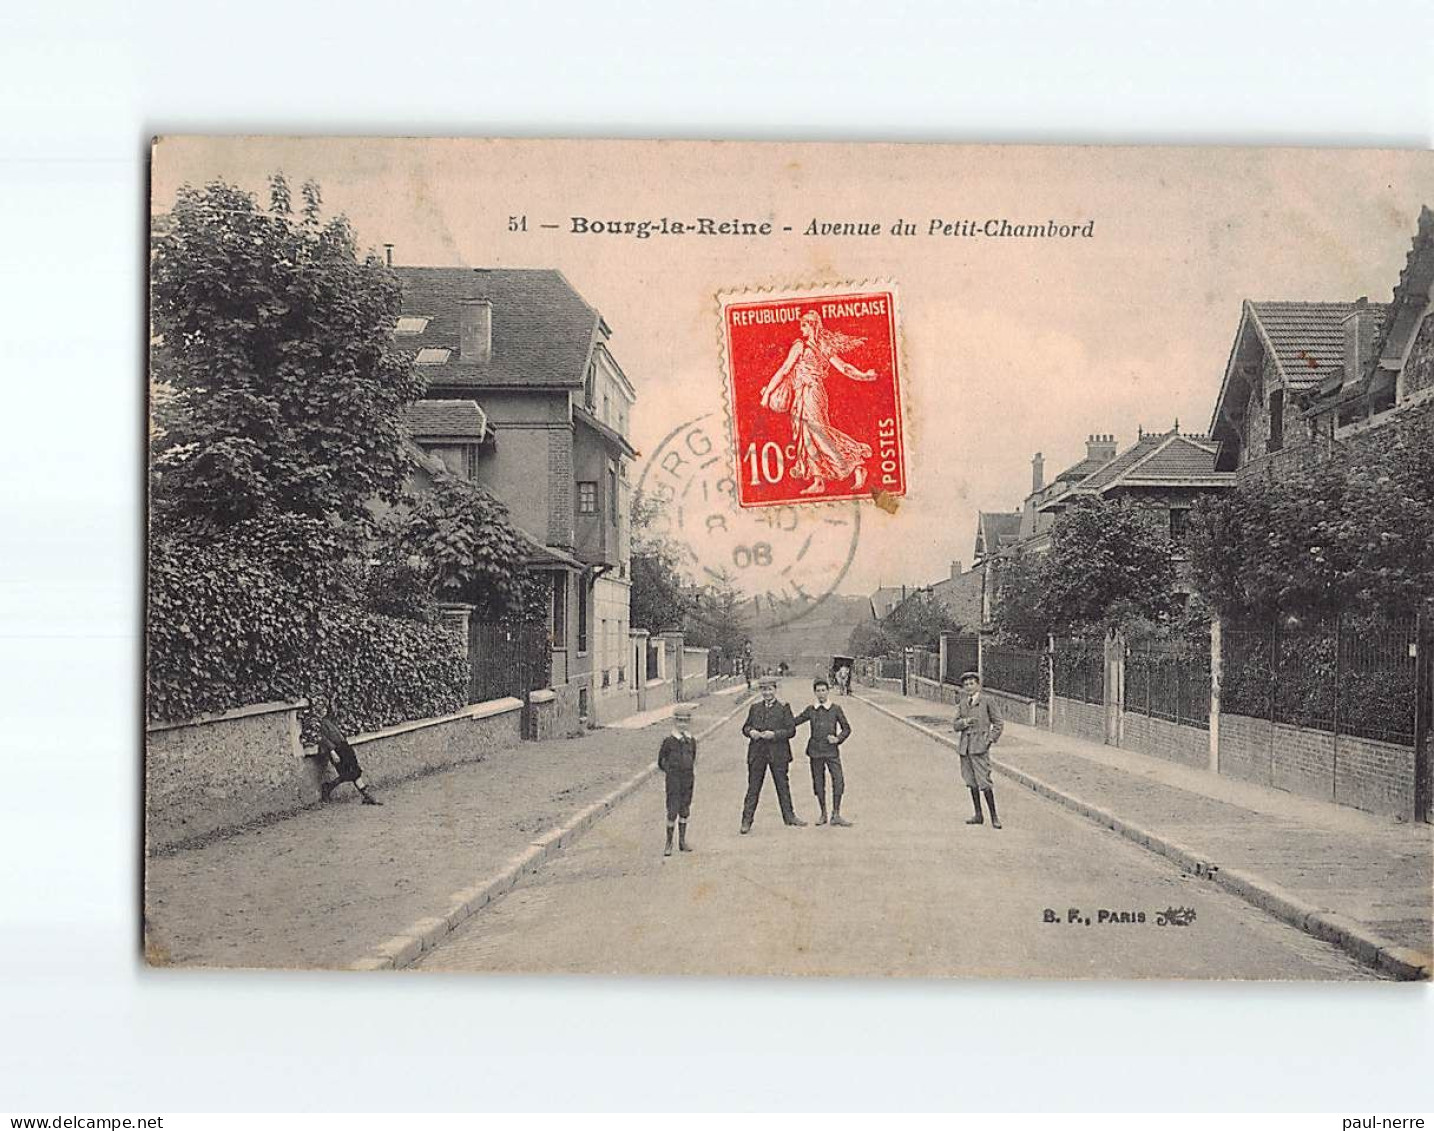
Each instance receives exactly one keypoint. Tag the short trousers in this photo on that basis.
(679, 793)
(976, 771)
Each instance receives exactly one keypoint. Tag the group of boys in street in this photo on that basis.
(770, 727)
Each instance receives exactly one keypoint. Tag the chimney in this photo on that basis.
(388, 254)
(1359, 327)
(475, 331)
(955, 569)
(1038, 473)
(1101, 447)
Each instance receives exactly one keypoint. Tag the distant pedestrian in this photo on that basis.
(978, 724)
(843, 679)
(677, 759)
(769, 729)
(335, 749)
(829, 730)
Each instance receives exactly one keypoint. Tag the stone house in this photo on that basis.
(525, 398)
(1307, 379)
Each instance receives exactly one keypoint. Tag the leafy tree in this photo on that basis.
(1353, 532)
(1016, 609)
(1109, 566)
(459, 541)
(716, 619)
(660, 598)
(917, 622)
(273, 345)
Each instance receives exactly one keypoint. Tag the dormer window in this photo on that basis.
(411, 326)
(430, 356)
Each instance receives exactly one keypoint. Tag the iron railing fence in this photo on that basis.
(1016, 670)
(1344, 674)
(1078, 668)
(1170, 680)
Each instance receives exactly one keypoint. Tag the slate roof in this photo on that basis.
(537, 554)
(1165, 457)
(611, 435)
(998, 528)
(431, 419)
(1079, 471)
(543, 331)
(1307, 337)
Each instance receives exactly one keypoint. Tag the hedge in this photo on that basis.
(227, 629)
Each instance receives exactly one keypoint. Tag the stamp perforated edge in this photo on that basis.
(778, 292)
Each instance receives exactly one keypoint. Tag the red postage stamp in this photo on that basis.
(815, 394)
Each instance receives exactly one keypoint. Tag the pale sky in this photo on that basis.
(1009, 346)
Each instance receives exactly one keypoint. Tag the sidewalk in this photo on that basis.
(1363, 882)
(330, 886)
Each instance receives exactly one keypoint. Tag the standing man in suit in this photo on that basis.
(978, 724)
(769, 729)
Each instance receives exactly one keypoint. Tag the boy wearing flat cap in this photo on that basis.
(978, 725)
(677, 759)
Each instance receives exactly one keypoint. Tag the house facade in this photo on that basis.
(525, 398)
(1307, 379)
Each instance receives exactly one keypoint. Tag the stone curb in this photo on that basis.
(1350, 936)
(404, 949)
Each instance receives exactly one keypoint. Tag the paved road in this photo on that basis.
(909, 890)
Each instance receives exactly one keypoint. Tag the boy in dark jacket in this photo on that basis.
(335, 749)
(829, 730)
(678, 760)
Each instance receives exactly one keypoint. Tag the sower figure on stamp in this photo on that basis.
(335, 749)
(769, 729)
(677, 759)
(829, 730)
(799, 387)
(978, 724)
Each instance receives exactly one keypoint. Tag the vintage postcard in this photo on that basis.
(790, 559)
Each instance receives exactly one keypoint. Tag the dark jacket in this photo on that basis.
(829, 721)
(678, 755)
(778, 718)
(986, 724)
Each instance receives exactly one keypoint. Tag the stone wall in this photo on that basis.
(1377, 777)
(1190, 746)
(556, 712)
(219, 773)
(1015, 708)
(658, 693)
(222, 771)
(1419, 366)
(1245, 748)
(930, 689)
(1081, 720)
(694, 673)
